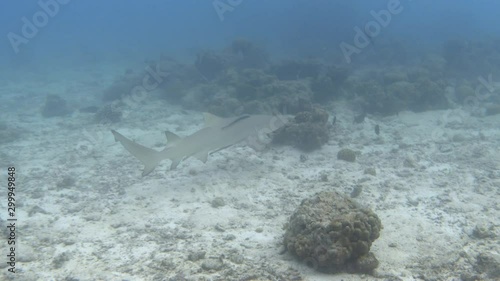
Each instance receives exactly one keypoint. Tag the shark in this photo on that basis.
(217, 134)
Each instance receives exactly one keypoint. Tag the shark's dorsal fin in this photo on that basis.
(235, 120)
(175, 163)
(171, 137)
(212, 120)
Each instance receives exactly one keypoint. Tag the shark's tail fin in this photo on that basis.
(149, 157)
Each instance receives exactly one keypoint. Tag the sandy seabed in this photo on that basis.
(85, 213)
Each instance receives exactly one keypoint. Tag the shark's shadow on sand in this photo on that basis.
(218, 133)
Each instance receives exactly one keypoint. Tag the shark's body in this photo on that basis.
(217, 134)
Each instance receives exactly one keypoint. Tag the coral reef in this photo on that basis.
(166, 75)
(387, 93)
(122, 86)
(332, 233)
(210, 64)
(466, 58)
(248, 84)
(248, 54)
(252, 91)
(225, 106)
(240, 79)
(430, 96)
(296, 69)
(55, 106)
(237, 80)
(307, 131)
(177, 78)
(329, 85)
(290, 97)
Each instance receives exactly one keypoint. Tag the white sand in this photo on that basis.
(438, 177)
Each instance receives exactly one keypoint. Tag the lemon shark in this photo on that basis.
(218, 133)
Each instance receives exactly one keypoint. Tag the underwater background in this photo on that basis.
(295, 28)
(388, 168)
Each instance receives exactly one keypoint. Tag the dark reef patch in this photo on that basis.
(55, 106)
(307, 131)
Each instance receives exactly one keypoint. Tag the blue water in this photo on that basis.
(135, 28)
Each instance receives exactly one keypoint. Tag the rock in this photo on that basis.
(366, 263)
(198, 255)
(370, 171)
(332, 233)
(218, 202)
(66, 182)
(212, 264)
(356, 191)
(59, 260)
(346, 154)
(482, 232)
(489, 263)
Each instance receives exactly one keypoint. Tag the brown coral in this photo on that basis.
(332, 233)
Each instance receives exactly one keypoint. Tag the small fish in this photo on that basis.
(377, 129)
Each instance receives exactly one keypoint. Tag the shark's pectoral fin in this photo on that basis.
(174, 164)
(147, 170)
(255, 144)
(202, 156)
